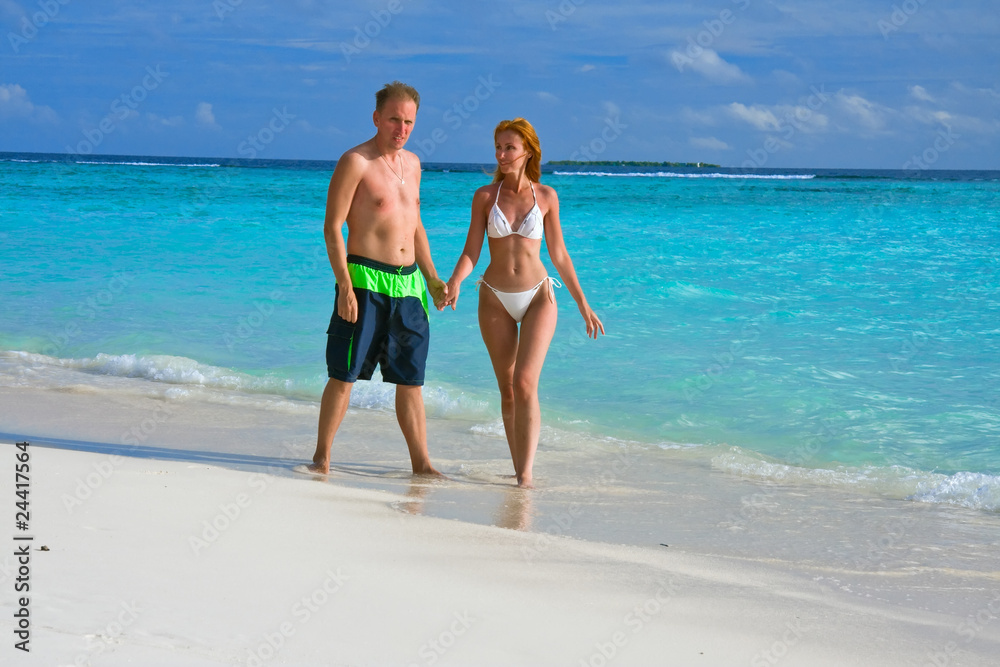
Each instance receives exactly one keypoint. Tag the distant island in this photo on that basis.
(628, 163)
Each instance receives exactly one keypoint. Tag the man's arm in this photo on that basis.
(422, 254)
(343, 184)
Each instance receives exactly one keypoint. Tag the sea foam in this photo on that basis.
(964, 489)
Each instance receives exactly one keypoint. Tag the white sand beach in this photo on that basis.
(147, 561)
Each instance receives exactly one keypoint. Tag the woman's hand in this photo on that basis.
(453, 289)
(593, 322)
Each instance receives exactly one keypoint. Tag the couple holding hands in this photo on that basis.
(381, 314)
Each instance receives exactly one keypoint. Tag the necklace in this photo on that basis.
(400, 174)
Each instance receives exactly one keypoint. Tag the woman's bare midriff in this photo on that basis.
(515, 264)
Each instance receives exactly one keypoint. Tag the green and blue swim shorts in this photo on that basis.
(392, 330)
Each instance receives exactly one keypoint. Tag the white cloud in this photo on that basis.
(787, 119)
(921, 93)
(709, 143)
(959, 122)
(204, 116)
(786, 78)
(611, 110)
(689, 116)
(869, 115)
(711, 66)
(759, 117)
(15, 103)
(587, 68)
(927, 117)
(546, 96)
(164, 121)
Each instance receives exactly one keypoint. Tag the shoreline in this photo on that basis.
(915, 572)
(178, 562)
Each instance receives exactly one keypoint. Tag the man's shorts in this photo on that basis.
(392, 330)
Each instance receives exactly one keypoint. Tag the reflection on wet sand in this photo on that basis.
(515, 512)
(416, 494)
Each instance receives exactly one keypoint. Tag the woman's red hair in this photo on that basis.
(533, 166)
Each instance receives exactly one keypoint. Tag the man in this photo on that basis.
(381, 312)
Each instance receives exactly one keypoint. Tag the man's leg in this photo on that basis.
(413, 423)
(332, 409)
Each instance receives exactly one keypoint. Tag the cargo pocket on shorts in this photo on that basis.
(341, 344)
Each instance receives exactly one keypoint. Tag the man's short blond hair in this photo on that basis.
(394, 90)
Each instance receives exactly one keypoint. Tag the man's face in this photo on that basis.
(395, 121)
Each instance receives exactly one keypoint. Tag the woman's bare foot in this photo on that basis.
(319, 466)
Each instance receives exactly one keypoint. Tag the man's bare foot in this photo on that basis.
(427, 470)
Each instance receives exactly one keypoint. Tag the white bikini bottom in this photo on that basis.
(516, 303)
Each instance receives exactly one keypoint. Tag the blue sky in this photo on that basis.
(835, 83)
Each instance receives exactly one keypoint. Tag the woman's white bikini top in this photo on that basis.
(531, 227)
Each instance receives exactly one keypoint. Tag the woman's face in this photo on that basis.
(510, 152)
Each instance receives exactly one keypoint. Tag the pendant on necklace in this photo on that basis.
(400, 174)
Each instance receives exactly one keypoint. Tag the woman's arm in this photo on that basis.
(564, 265)
(473, 246)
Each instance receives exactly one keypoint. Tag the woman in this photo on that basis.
(515, 212)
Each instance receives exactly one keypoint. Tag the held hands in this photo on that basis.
(454, 287)
(439, 292)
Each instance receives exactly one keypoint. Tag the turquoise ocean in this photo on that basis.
(833, 327)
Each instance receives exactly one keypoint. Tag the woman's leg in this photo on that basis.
(500, 335)
(537, 328)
